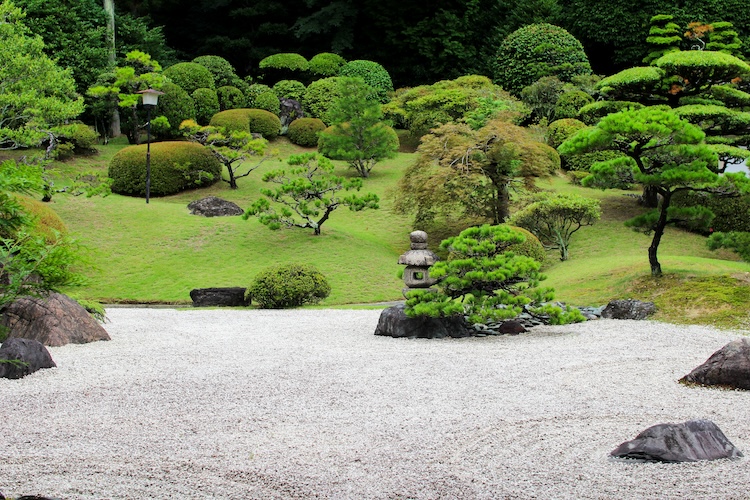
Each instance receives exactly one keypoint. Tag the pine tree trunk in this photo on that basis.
(109, 8)
(659, 227)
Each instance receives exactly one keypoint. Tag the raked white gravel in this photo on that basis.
(243, 404)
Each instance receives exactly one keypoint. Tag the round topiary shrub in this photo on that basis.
(175, 167)
(268, 101)
(531, 247)
(177, 106)
(538, 50)
(253, 91)
(304, 131)
(374, 75)
(221, 69)
(283, 66)
(190, 76)
(230, 97)
(232, 120)
(559, 130)
(46, 223)
(264, 123)
(290, 89)
(569, 103)
(326, 64)
(320, 96)
(288, 285)
(206, 105)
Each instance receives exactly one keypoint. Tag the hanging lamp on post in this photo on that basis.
(150, 98)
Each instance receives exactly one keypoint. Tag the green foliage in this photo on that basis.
(724, 38)
(288, 285)
(541, 96)
(304, 131)
(326, 64)
(175, 167)
(664, 36)
(472, 99)
(206, 104)
(319, 97)
(483, 280)
(35, 93)
(176, 105)
(232, 120)
(43, 220)
(733, 240)
(538, 50)
(699, 70)
(555, 218)
(530, 247)
(358, 135)
(190, 76)
(268, 101)
(373, 74)
(79, 139)
(590, 114)
(253, 91)
(283, 66)
(559, 130)
(570, 102)
(264, 122)
(307, 195)
(290, 89)
(230, 97)
(221, 69)
(732, 214)
(584, 161)
(230, 147)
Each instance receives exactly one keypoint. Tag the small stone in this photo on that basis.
(211, 206)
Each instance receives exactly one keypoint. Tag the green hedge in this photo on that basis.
(175, 167)
(304, 131)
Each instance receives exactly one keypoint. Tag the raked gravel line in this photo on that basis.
(265, 404)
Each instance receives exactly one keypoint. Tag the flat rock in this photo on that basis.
(727, 367)
(30, 355)
(628, 309)
(394, 322)
(686, 442)
(211, 206)
(54, 321)
(219, 297)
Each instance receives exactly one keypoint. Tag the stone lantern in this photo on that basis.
(418, 261)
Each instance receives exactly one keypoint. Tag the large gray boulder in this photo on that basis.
(394, 322)
(219, 297)
(25, 355)
(628, 309)
(211, 206)
(54, 321)
(686, 442)
(727, 367)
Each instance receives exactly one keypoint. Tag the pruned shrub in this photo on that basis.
(253, 91)
(583, 162)
(320, 96)
(538, 50)
(264, 123)
(234, 120)
(268, 101)
(559, 130)
(731, 214)
(374, 75)
(176, 105)
(283, 66)
(590, 114)
(46, 223)
(290, 89)
(175, 167)
(230, 97)
(190, 76)
(326, 64)
(288, 285)
(568, 104)
(76, 138)
(530, 247)
(221, 69)
(304, 131)
(206, 105)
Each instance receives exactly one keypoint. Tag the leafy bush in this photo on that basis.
(175, 167)
(568, 105)
(264, 122)
(288, 285)
(253, 91)
(290, 89)
(541, 96)
(190, 76)
(176, 105)
(576, 176)
(530, 247)
(268, 101)
(76, 138)
(538, 50)
(326, 64)
(374, 75)
(559, 130)
(230, 97)
(304, 131)
(730, 214)
(233, 120)
(590, 114)
(583, 162)
(283, 66)
(206, 104)
(221, 69)
(45, 221)
(320, 96)
(734, 240)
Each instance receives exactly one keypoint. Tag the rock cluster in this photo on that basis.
(211, 206)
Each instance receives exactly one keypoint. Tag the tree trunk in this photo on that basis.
(658, 233)
(109, 8)
(502, 203)
(650, 197)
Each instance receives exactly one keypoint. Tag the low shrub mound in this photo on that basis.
(190, 76)
(268, 101)
(206, 105)
(288, 285)
(46, 223)
(230, 97)
(304, 131)
(531, 247)
(175, 167)
(264, 122)
(234, 120)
